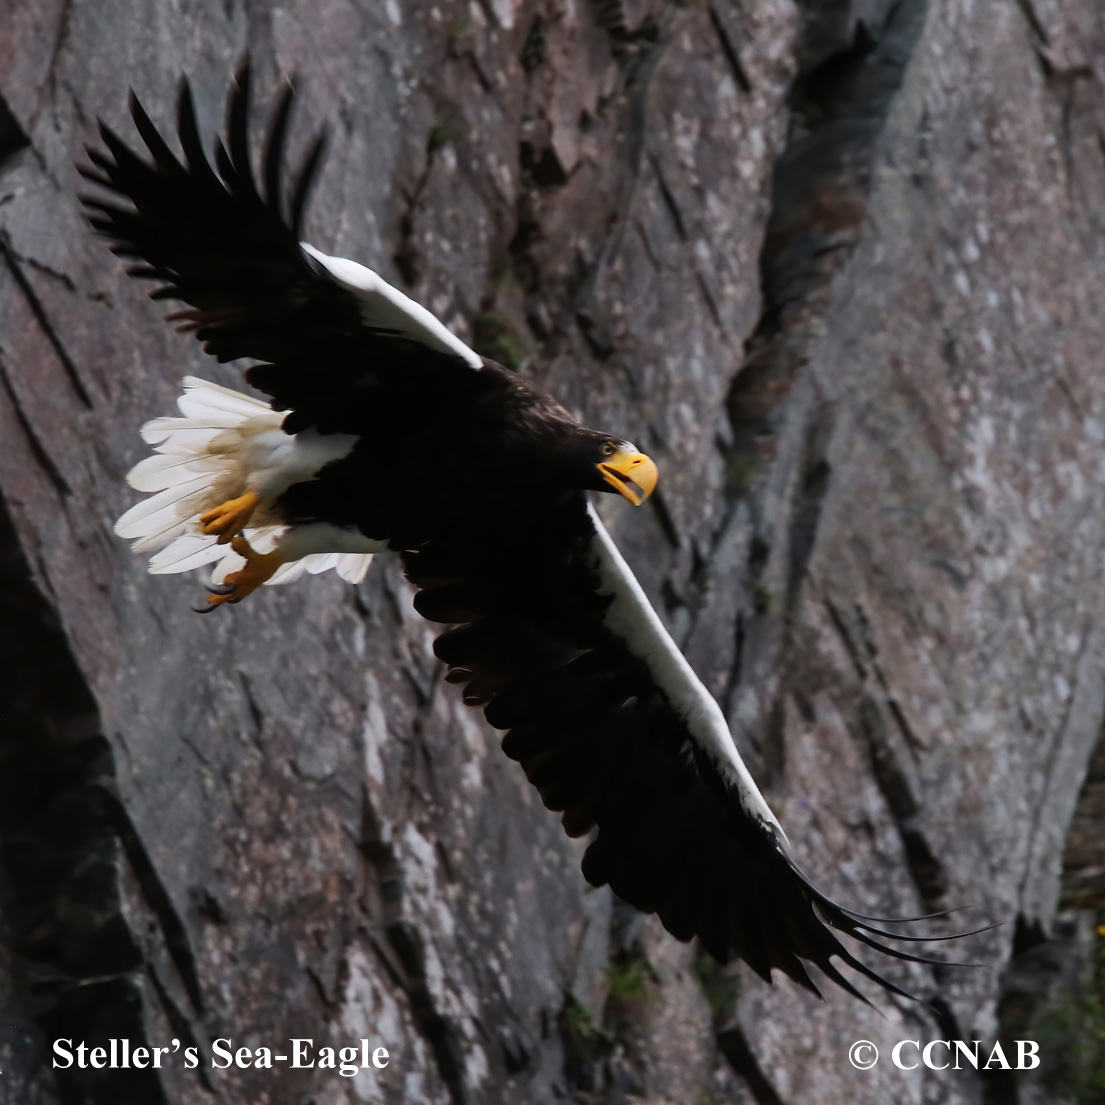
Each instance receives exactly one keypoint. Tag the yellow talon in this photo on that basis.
(230, 517)
(259, 567)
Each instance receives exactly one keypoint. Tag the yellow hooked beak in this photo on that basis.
(630, 474)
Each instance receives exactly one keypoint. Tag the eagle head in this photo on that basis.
(615, 465)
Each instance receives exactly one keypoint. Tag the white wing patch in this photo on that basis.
(386, 308)
(630, 616)
(223, 445)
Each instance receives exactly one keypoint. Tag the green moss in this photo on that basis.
(761, 598)
(493, 336)
(741, 468)
(460, 31)
(1072, 1035)
(448, 127)
(811, 113)
(629, 980)
(720, 985)
(578, 1025)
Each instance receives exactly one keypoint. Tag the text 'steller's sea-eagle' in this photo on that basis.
(384, 431)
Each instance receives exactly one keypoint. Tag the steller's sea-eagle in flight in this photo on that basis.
(398, 436)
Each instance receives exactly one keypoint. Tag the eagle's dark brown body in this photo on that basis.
(435, 447)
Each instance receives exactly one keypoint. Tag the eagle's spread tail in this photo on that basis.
(225, 447)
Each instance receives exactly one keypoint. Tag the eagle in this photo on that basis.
(384, 431)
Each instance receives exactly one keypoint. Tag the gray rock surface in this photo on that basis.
(838, 267)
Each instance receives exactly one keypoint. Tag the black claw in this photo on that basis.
(221, 588)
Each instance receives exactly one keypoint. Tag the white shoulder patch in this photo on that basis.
(631, 617)
(388, 308)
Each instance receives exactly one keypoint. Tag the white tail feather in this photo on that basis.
(149, 516)
(203, 395)
(167, 470)
(224, 444)
(189, 550)
(158, 429)
(169, 529)
(206, 416)
(352, 567)
(288, 573)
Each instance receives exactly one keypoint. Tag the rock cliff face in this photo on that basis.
(838, 267)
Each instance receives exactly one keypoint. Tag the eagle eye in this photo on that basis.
(608, 449)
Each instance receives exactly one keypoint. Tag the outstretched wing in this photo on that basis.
(229, 248)
(559, 645)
